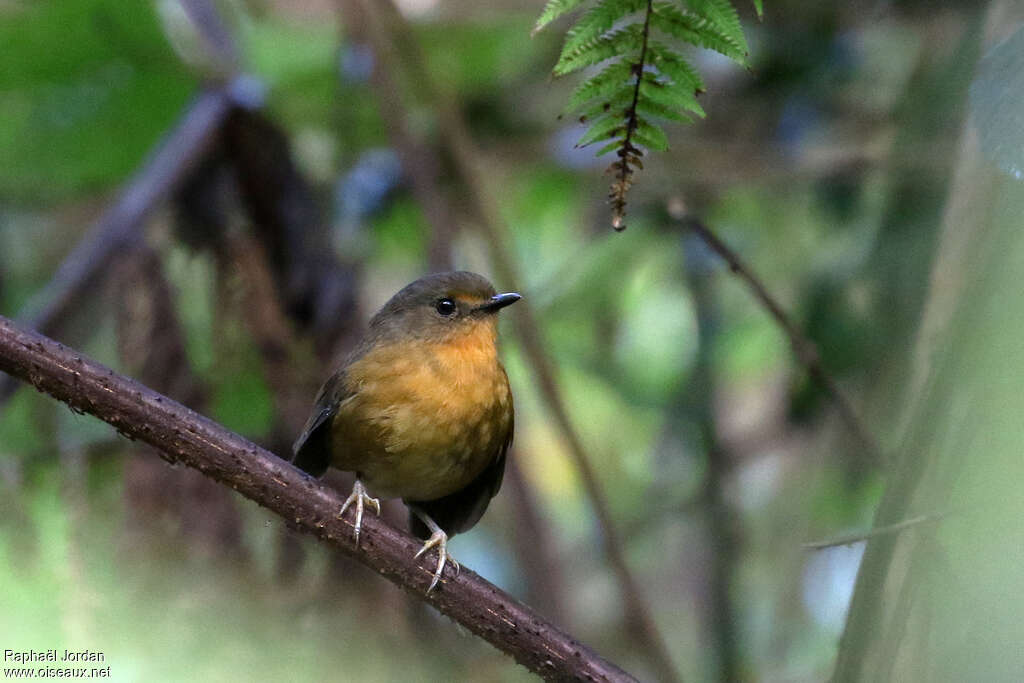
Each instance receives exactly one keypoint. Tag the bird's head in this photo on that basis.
(441, 306)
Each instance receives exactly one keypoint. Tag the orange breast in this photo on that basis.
(425, 419)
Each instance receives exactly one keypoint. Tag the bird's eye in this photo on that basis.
(445, 307)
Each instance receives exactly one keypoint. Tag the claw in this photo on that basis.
(437, 538)
(359, 497)
(440, 539)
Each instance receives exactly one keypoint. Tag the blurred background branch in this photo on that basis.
(118, 231)
(803, 348)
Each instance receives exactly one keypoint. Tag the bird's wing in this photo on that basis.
(460, 511)
(312, 450)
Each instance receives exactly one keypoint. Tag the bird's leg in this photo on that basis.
(359, 497)
(439, 538)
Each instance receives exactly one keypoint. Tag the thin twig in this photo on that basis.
(118, 229)
(803, 348)
(214, 32)
(388, 28)
(183, 436)
(849, 539)
(721, 522)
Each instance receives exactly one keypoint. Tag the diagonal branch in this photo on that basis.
(183, 436)
(803, 348)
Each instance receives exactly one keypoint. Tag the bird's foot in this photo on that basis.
(440, 539)
(360, 498)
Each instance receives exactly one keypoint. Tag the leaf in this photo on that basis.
(617, 102)
(608, 126)
(610, 147)
(86, 89)
(599, 21)
(603, 84)
(760, 9)
(619, 43)
(675, 67)
(646, 105)
(723, 15)
(553, 10)
(680, 99)
(650, 136)
(698, 31)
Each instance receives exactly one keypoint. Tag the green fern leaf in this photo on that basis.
(670, 97)
(610, 147)
(642, 81)
(603, 84)
(723, 15)
(624, 41)
(615, 103)
(650, 136)
(599, 21)
(646, 105)
(675, 67)
(609, 126)
(760, 9)
(553, 10)
(697, 31)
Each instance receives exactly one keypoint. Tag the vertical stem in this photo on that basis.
(721, 524)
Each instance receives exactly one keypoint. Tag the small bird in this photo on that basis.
(420, 410)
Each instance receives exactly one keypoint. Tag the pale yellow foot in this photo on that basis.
(360, 498)
(440, 539)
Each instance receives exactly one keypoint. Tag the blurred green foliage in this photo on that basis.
(803, 179)
(86, 89)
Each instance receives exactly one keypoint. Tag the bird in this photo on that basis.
(420, 410)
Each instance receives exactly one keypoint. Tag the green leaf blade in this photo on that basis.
(553, 10)
(607, 82)
(697, 30)
(650, 135)
(608, 126)
(622, 43)
(599, 21)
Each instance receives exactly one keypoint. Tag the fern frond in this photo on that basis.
(611, 78)
(613, 146)
(642, 80)
(697, 30)
(622, 41)
(617, 102)
(650, 135)
(675, 67)
(609, 126)
(678, 99)
(599, 21)
(553, 10)
(647, 105)
(722, 14)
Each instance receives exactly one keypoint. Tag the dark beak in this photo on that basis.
(498, 302)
